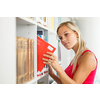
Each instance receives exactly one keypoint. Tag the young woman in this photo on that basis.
(82, 68)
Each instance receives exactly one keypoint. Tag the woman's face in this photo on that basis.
(68, 37)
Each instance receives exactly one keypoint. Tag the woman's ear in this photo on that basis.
(77, 34)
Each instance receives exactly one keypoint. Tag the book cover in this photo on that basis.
(42, 48)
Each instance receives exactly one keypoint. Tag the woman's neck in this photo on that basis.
(75, 48)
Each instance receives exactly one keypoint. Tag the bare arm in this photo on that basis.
(51, 73)
(86, 64)
(56, 78)
(65, 79)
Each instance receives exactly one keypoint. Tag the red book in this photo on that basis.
(42, 48)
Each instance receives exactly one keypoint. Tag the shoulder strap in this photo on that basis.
(84, 53)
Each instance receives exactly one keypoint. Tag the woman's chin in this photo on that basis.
(68, 48)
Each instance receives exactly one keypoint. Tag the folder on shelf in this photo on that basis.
(42, 48)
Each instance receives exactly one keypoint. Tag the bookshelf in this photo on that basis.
(12, 27)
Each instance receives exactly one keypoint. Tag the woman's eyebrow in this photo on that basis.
(65, 31)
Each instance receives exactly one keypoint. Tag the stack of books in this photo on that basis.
(24, 59)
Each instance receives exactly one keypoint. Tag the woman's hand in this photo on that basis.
(50, 71)
(53, 61)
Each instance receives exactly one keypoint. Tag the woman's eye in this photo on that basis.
(66, 34)
(60, 38)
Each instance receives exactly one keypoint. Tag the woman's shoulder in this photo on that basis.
(88, 60)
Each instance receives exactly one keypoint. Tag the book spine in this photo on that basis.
(32, 59)
(45, 21)
(18, 60)
(20, 72)
(22, 61)
(26, 66)
(24, 54)
(29, 59)
(52, 23)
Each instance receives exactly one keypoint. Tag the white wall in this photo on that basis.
(90, 31)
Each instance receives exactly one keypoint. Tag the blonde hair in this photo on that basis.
(82, 44)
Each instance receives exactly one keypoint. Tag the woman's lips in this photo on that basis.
(65, 44)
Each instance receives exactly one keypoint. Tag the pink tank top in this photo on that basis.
(91, 76)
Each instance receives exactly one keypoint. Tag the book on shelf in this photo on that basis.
(40, 33)
(31, 59)
(20, 69)
(52, 23)
(32, 18)
(45, 21)
(24, 59)
(42, 48)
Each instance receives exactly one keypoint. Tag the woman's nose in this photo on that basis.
(63, 39)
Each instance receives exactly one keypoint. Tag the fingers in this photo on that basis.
(47, 63)
(48, 56)
(51, 54)
(51, 57)
(48, 60)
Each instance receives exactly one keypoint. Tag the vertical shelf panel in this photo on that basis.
(7, 50)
